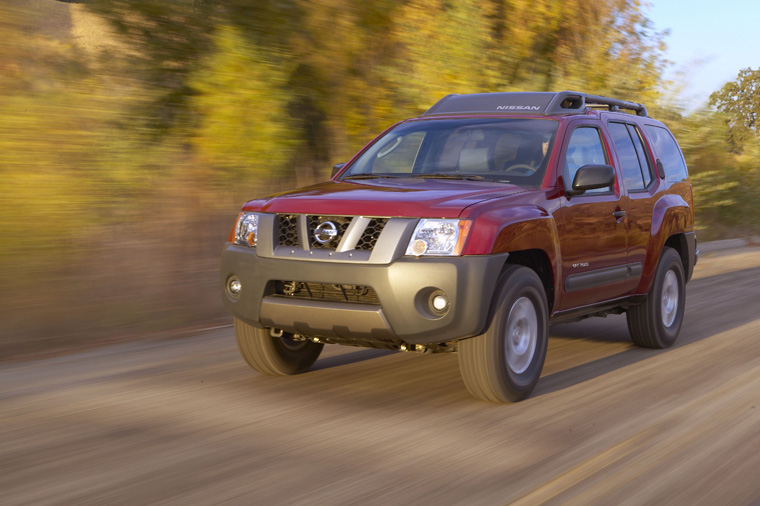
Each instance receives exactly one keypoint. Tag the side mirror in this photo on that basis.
(591, 177)
(336, 168)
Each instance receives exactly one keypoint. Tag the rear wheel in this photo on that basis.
(504, 363)
(275, 356)
(656, 322)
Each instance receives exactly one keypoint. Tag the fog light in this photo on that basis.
(234, 286)
(439, 302)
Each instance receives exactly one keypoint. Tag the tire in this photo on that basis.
(656, 322)
(495, 368)
(275, 356)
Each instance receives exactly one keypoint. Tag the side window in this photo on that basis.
(399, 155)
(584, 147)
(646, 165)
(668, 152)
(633, 172)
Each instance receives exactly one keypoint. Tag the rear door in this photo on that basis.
(637, 167)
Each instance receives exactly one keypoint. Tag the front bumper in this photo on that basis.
(403, 287)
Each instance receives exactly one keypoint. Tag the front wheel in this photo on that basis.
(275, 356)
(656, 322)
(505, 362)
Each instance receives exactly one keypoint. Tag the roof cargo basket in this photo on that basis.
(547, 103)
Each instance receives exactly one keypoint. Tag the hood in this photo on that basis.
(403, 197)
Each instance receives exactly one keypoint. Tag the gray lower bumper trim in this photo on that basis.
(317, 318)
(403, 288)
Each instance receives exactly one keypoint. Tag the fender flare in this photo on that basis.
(671, 215)
(517, 228)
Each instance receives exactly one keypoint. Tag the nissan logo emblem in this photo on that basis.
(325, 232)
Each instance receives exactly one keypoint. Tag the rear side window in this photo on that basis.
(633, 160)
(584, 148)
(668, 152)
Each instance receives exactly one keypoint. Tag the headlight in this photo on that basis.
(247, 229)
(438, 237)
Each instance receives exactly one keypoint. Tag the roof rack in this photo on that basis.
(547, 103)
(615, 105)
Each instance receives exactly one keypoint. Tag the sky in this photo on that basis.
(710, 40)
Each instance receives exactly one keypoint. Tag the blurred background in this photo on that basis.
(131, 131)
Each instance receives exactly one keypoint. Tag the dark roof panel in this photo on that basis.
(546, 103)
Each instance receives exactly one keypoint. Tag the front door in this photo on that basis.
(592, 228)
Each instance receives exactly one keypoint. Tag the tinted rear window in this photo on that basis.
(667, 150)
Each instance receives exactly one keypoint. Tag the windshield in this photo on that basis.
(505, 150)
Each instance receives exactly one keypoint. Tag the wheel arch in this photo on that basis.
(679, 243)
(672, 222)
(538, 261)
(529, 235)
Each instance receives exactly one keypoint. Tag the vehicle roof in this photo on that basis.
(562, 103)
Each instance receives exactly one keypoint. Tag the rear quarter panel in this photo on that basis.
(672, 214)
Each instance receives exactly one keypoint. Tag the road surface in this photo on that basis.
(184, 421)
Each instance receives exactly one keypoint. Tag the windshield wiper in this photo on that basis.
(365, 176)
(471, 177)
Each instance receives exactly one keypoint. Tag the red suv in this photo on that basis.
(470, 229)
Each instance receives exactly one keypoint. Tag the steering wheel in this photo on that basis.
(522, 169)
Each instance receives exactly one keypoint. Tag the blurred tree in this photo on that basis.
(241, 99)
(609, 48)
(725, 181)
(168, 40)
(606, 47)
(302, 42)
(525, 38)
(46, 136)
(351, 70)
(740, 101)
(441, 46)
(702, 137)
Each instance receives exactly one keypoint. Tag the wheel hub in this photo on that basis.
(670, 296)
(521, 335)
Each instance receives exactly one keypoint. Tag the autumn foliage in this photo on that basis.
(132, 130)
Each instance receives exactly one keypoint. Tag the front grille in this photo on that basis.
(371, 233)
(327, 292)
(290, 231)
(341, 223)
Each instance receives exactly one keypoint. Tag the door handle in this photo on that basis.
(619, 214)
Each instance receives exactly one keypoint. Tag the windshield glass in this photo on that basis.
(507, 150)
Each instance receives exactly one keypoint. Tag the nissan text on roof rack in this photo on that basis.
(471, 229)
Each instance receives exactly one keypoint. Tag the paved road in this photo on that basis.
(185, 422)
